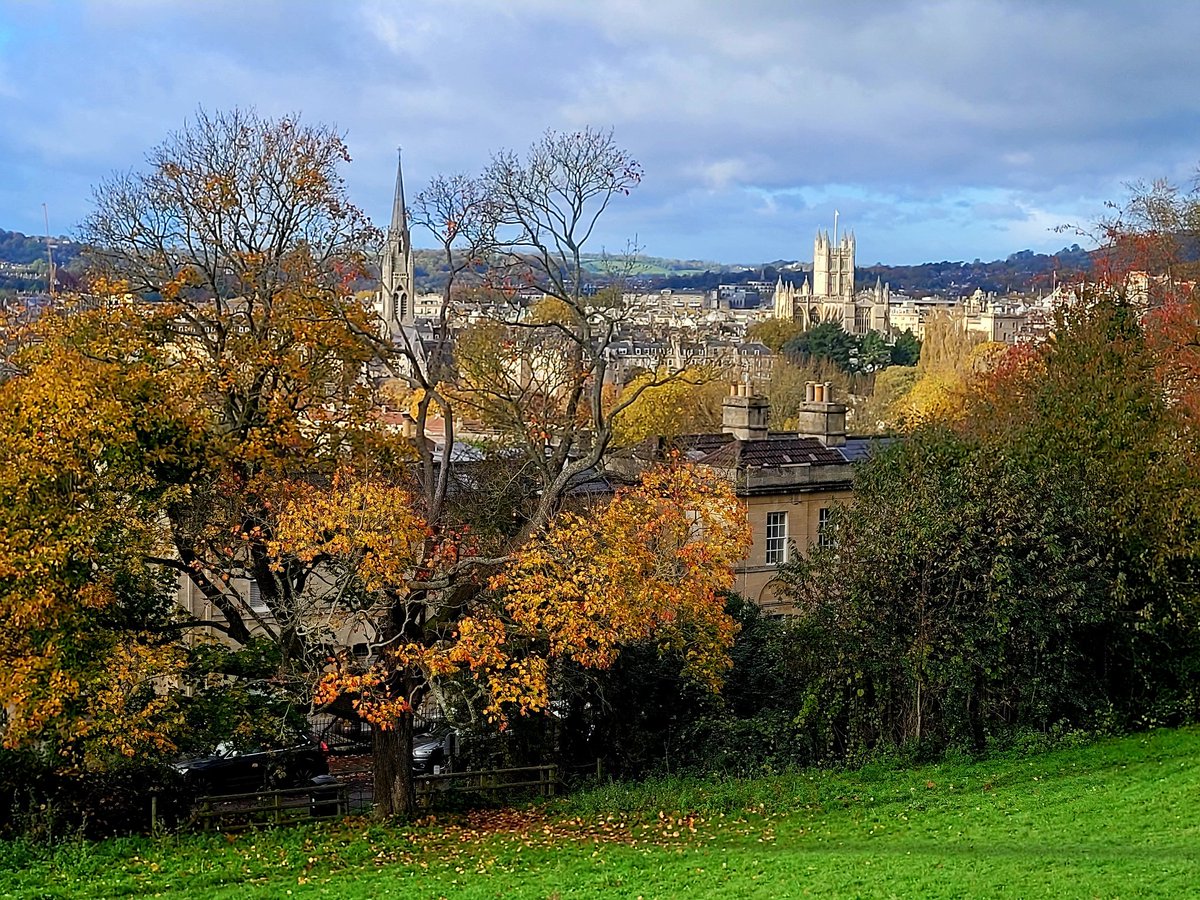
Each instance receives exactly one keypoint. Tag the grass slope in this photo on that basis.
(1119, 818)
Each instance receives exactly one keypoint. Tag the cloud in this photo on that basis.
(929, 123)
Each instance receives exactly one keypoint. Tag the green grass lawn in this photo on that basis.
(1120, 818)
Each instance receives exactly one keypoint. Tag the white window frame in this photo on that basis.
(777, 538)
(824, 538)
(254, 597)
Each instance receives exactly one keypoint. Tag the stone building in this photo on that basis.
(831, 297)
(789, 481)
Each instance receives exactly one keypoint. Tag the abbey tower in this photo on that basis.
(831, 297)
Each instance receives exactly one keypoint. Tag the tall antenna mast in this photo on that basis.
(49, 248)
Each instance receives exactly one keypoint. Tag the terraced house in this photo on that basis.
(789, 481)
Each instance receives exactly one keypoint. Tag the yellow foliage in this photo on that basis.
(665, 405)
(652, 565)
(371, 527)
(551, 309)
(934, 397)
(79, 676)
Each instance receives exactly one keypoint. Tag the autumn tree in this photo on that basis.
(459, 213)
(652, 564)
(240, 248)
(248, 459)
(86, 649)
(689, 403)
(533, 374)
(1147, 249)
(885, 408)
(774, 333)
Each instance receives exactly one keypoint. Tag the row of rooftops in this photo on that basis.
(818, 456)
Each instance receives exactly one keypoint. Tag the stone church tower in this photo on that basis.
(832, 297)
(396, 269)
(833, 266)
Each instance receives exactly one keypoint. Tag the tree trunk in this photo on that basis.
(391, 758)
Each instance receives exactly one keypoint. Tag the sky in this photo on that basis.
(960, 129)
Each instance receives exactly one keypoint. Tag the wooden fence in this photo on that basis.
(488, 782)
(352, 793)
(230, 812)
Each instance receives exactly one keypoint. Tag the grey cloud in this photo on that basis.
(750, 120)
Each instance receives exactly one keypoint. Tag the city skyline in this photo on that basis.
(939, 130)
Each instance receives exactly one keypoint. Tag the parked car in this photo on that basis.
(233, 771)
(434, 750)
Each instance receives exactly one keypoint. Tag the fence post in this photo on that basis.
(154, 813)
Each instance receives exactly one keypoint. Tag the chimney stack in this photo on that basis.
(744, 414)
(820, 416)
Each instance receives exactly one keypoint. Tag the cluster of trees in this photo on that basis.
(1021, 564)
(829, 341)
(22, 249)
(1021, 567)
(1029, 562)
(211, 425)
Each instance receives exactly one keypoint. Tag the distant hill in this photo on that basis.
(23, 268)
(23, 263)
(1023, 271)
(601, 264)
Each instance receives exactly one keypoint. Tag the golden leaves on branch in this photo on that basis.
(664, 404)
(651, 566)
(368, 525)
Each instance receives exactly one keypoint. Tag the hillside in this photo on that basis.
(23, 267)
(1117, 818)
(23, 263)
(1023, 271)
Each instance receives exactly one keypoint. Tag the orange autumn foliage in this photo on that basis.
(84, 678)
(652, 565)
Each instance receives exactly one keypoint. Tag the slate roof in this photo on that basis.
(856, 449)
(776, 450)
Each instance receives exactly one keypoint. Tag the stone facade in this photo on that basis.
(832, 296)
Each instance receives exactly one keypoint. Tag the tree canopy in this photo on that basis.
(210, 421)
(1030, 561)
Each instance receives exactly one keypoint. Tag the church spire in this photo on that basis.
(396, 270)
(399, 211)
